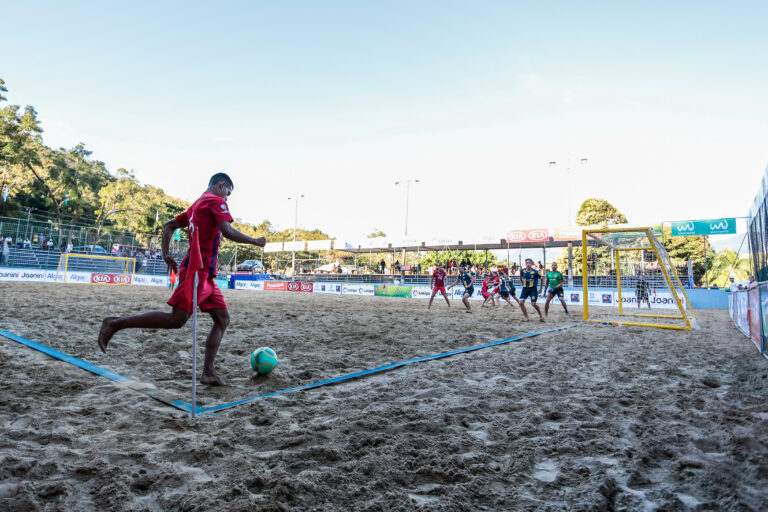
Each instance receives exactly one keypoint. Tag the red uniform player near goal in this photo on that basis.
(438, 285)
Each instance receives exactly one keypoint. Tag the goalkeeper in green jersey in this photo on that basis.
(554, 282)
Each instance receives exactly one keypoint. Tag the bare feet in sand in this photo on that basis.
(211, 380)
(106, 333)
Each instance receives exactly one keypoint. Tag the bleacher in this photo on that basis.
(49, 260)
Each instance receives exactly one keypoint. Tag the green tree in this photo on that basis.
(598, 212)
(376, 233)
(694, 248)
(724, 264)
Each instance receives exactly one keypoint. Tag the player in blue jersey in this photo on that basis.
(507, 288)
(529, 277)
(467, 280)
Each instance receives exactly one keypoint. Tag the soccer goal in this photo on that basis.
(95, 269)
(629, 279)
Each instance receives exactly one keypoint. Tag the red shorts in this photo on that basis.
(486, 295)
(208, 294)
(439, 289)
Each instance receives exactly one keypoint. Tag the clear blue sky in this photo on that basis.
(337, 100)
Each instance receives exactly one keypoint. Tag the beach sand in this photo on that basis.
(590, 418)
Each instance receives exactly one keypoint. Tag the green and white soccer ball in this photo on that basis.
(263, 360)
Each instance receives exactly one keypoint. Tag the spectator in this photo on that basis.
(397, 266)
(733, 286)
(27, 244)
(69, 247)
(752, 283)
(383, 265)
(6, 254)
(49, 244)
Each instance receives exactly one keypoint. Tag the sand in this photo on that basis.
(592, 418)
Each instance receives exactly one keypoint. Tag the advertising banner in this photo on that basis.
(457, 292)
(250, 285)
(424, 292)
(299, 245)
(357, 289)
(390, 290)
(273, 247)
(73, 277)
(145, 280)
(22, 274)
(110, 279)
(520, 236)
(297, 286)
(319, 245)
(334, 288)
(753, 315)
(725, 226)
(275, 286)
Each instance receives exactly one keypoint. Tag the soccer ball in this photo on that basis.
(263, 360)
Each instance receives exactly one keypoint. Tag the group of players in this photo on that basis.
(500, 283)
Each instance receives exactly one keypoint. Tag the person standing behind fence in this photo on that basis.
(6, 255)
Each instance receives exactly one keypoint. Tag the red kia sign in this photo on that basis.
(520, 236)
(110, 279)
(300, 287)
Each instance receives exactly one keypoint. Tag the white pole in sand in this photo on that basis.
(194, 347)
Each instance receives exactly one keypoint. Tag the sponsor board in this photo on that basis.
(518, 236)
(357, 289)
(275, 286)
(334, 288)
(97, 278)
(23, 275)
(457, 292)
(423, 292)
(145, 280)
(249, 285)
(391, 290)
(297, 286)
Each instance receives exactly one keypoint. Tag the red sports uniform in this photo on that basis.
(206, 213)
(484, 291)
(438, 276)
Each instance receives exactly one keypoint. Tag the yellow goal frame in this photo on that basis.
(669, 272)
(129, 263)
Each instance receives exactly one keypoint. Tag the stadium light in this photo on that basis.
(407, 198)
(582, 161)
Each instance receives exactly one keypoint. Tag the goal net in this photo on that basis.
(629, 279)
(95, 269)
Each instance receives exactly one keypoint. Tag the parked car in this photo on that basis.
(95, 249)
(254, 266)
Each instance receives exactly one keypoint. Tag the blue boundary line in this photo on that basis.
(187, 407)
(98, 370)
(216, 408)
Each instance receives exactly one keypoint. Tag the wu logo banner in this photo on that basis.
(726, 226)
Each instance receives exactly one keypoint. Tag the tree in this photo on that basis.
(376, 233)
(693, 248)
(598, 212)
(727, 263)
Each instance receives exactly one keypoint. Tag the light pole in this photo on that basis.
(295, 225)
(572, 181)
(407, 198)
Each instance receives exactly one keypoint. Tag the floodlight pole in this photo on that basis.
(295, 226)
(582, 161)
(407, 198)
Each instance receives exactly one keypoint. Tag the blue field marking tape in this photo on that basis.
(102, 372)
(215, 408)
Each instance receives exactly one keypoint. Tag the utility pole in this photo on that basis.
(295, 226)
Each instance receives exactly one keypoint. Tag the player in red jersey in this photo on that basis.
(487, 290)
(438, 285)
(210, 215)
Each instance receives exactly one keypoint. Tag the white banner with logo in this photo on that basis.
(249, 285)
(319, 245)
(273, 247)
(358, 289)
(146, 280)
(334, 288)
(423, 292)
(299, 245)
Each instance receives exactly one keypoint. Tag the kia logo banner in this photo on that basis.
(110, 279)
(520, 236)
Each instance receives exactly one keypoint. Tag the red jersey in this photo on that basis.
(439, 277)
(485, 285)
(207, 213)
